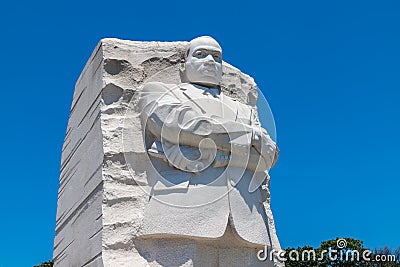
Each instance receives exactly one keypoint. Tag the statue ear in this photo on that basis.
(182, 66)
(182, 71)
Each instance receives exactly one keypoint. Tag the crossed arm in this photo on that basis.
(175, 123)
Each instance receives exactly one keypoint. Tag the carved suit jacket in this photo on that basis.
(201, 204)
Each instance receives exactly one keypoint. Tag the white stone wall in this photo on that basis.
(80, 196)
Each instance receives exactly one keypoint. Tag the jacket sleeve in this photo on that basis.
(264, 139)
(168, 119)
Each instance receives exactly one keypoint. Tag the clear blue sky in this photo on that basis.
(329, 69)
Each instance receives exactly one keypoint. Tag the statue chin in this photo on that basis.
(206, 83)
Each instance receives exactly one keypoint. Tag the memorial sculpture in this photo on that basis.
(182, 166)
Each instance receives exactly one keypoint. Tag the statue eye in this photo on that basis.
(217, 57)
(199, 53)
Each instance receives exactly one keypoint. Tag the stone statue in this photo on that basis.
(210, 155)
(164, 161)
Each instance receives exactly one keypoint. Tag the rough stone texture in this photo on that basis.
(102, 192)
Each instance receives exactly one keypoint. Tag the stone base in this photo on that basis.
(177, 251)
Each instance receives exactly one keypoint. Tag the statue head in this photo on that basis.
(203, 62)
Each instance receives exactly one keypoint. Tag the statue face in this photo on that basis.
(203, 64)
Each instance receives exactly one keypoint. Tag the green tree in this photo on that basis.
(342, 252)
(392, 257)
(45, 264)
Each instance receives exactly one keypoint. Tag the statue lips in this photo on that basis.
(209, 68)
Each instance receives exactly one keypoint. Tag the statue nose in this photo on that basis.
(210, 58)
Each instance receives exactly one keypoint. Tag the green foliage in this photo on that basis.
(343, 256)
(45, 264)
(388, 252)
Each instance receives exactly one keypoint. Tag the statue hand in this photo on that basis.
(179, 157)
(265, 146)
